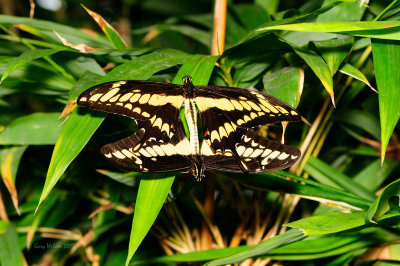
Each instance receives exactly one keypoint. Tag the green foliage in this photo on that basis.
(341, 201)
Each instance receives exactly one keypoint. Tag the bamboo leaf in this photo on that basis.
(386, 54)
(10, 254)
(285, 84)
(355, 73)
(334, 51)
(330, 223)
(382, 204)
(34, 129)
(108, 30)
(262, 248)
(27, 57)
(320, 68)
(319, 169)
(9, 162)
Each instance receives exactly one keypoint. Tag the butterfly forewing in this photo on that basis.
(135, 99)
(246, 108)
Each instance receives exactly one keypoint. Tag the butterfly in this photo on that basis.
(227, 117)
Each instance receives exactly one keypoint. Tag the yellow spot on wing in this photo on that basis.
(246, 118)
(254, 106)
(243, 98)
(156, 99)
(129, 106)
(237, 105)
(158, 123)
(134, 98)
(253, 115)
(222, 132)
(125, 97)
(137, 110)
(144, 99)
(214, 135)
(95, 97)
(228, 128)
(146, 114)
(115, 98)
(109, 94)
(293, 112)
(283, 110)
(245, 105)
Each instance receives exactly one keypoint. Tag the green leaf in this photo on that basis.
(130, 179)
(108, 30)
(285, 84)
(372, 29)
(10, 254)
(330, 223)
(34, 129)
(334, 51)
(386, 54)
(26, 57)
(382, 204)
(355, 73)
(150, 198)
(262, 248)
(286, 182)
(9, 162)
(344, 12)
(296, 19)
(47, 29)
(361, 119)
(82, 123)
(319, 169)
(319, 67)
(153, 192)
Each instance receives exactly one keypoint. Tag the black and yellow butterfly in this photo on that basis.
(227, 116)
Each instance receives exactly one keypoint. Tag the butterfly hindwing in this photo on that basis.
(151, 156)
(258, 154)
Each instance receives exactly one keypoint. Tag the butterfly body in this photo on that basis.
(227, 116)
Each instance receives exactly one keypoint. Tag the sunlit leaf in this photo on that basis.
(386, 54)
(319, 67)
(334, 51)
(108, 30)
(262, 248)
(382, 203)
(330, 223)
(355, 73)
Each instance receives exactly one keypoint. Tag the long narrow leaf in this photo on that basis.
(386, 54)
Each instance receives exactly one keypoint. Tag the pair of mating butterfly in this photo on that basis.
(227, 116)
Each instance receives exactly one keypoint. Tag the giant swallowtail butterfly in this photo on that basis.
(227, 116)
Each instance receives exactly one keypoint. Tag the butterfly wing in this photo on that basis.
(246, 108)
(154, 105)
(152, 156)
(256, 155)
(225, 110)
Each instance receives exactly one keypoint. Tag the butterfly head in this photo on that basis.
(187, 80)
